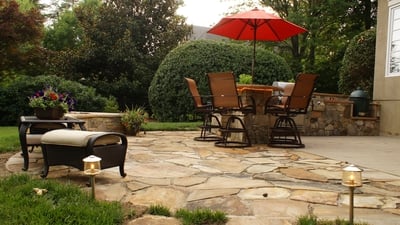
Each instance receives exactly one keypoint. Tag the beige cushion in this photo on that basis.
(76, 138)
(33, 139)
(287, 91)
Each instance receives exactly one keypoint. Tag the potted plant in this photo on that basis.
(132, 119)
(49, 104)
(245, 79)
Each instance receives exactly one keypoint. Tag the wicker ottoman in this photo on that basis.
(68, 147)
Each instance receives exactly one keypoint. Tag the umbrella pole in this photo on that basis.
(254, 54)
(254, 60)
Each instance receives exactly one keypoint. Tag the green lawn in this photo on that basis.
(9, 140)
(170, 126)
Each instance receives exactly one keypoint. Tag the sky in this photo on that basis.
(205, 12)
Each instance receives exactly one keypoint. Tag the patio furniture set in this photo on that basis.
(225, 101)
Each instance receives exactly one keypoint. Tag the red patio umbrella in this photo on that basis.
(255, 25)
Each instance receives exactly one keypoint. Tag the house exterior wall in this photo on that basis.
(386, 89)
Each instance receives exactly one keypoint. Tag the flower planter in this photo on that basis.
(132, 131)
(48, 104)
(49, 114)
(132, 120)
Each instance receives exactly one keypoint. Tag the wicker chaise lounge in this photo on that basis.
(68, 147)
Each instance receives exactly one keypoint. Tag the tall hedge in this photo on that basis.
(14, 96)
(168, 94)
(358, 64)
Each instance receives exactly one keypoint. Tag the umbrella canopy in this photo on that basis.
(255, 25)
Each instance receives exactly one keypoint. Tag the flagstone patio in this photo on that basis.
(255, 185)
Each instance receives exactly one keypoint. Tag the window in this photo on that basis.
(393, 57)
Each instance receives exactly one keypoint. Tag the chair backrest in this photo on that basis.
(287, 91)
(300, 97)
(41, 128)
(223, 90)
(194, 92)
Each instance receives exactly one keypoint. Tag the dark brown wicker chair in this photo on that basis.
(207, 111)
(226, 99)
(295, 100)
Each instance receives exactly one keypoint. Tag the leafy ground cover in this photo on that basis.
(314, 220)
(24, 200)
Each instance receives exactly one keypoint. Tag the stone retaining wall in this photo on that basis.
(328, 115)
(99, 121)
(332, 115)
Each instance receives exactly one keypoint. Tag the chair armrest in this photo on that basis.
(92, 141)
(275, 103)
(273, 100)
(248, 107)
(206, 99)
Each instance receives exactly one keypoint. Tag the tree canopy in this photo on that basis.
(331, 25)
(21, 31)
(123, 43)
(64, 34)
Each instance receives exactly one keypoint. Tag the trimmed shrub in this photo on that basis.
(169, 97)
(358, 63)
(14, 96)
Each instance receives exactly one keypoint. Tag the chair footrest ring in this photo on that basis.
(232, 144)
(207, 138)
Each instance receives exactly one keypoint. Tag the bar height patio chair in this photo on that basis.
(296, 100)
(226, 99)
(207, 112)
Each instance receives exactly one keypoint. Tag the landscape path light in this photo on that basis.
(92, 167)
(351, 178)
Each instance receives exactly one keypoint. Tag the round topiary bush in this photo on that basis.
(168, 94)
(14, 96)
(358, 63)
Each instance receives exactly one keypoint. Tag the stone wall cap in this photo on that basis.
(83, 115)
